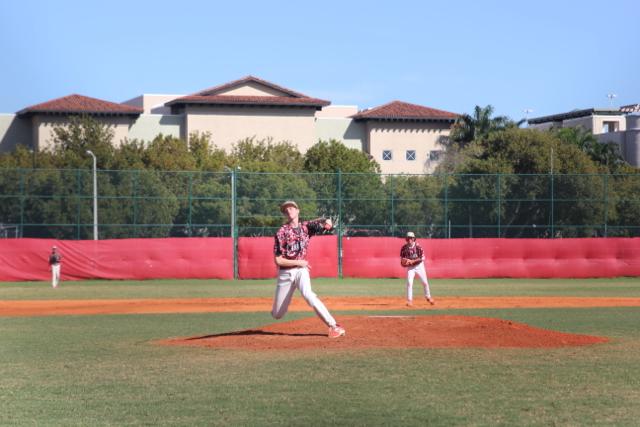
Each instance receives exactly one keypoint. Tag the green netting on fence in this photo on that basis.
(148, 203)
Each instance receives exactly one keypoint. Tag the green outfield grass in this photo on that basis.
(103, 289)
(107, 370)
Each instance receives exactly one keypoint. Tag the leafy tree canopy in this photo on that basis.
(525, 151)
(82, 133)
(479, 125)
(207, 156)
(330, 156)
(607, 155)
(169, 153)
(266, 156)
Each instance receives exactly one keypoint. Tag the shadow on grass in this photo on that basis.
(253, 333)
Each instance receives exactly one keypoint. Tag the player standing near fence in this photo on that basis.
(54, 262)
(412, 258)
(290, 251)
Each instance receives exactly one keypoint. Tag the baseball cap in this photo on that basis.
(288, 203)
(410, 235)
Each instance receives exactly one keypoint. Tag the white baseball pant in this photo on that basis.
(55, 275)
(422, 274)
(288, 280)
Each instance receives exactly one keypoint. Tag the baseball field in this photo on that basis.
(203, 352)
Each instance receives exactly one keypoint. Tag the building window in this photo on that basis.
(411, 154)
(387, 155)
(435, 155)
(610, 127)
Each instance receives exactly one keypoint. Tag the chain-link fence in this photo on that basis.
(148, 203)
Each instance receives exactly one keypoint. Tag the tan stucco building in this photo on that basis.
(405, 138)
(43, 118)
(250, 108)
(401, 137)
(620, 126)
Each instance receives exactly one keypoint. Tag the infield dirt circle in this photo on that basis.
(392, 332)
(411, 330)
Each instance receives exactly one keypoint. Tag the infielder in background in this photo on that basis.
(54, 262)
(412, 258)
(290, 251)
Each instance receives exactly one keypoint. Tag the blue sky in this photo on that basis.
(548, 56)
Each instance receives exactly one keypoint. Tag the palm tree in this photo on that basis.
(607, 154)
(468, 128)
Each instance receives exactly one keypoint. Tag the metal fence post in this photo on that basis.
(79, 198)
(498, 210)
(553, 234)
(234, 226)
(22, 200)
(606, 203)
(136, 181)
(190, 200)
(393, 214)
(447, 223)
(339, 219)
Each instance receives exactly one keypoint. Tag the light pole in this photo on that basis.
(526, 112)
(95, 197)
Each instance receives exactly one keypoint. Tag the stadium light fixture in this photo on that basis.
(526, 112)
(95, 197)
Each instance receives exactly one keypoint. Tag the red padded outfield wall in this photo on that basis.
(180, 258)
(204, 258)
(477, 258)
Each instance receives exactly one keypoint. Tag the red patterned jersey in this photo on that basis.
(409, 252)
(292, 242)
(54, 259)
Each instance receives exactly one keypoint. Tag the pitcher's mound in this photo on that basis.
(392, 332)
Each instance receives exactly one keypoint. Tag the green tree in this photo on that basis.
(207, 156)
(481, 124)
(175, 165)
(130, 155)
(527, 161)
(623, 199)
(71, 142)
(210, 204)
(269, 173)
(24, 157)
(605, 154)
(332, 155)
(168, 153)
(416, 205)
(61, 199)
(266, 156)
(364, 203)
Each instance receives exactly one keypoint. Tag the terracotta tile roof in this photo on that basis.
(212, 96)
(243, 81)
(249, 100)
(398, 110)
(79, 104)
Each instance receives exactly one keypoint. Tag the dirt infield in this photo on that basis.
(404, 331)
(392, 332)
(210, 305)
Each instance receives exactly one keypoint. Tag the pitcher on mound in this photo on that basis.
(290, 253)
